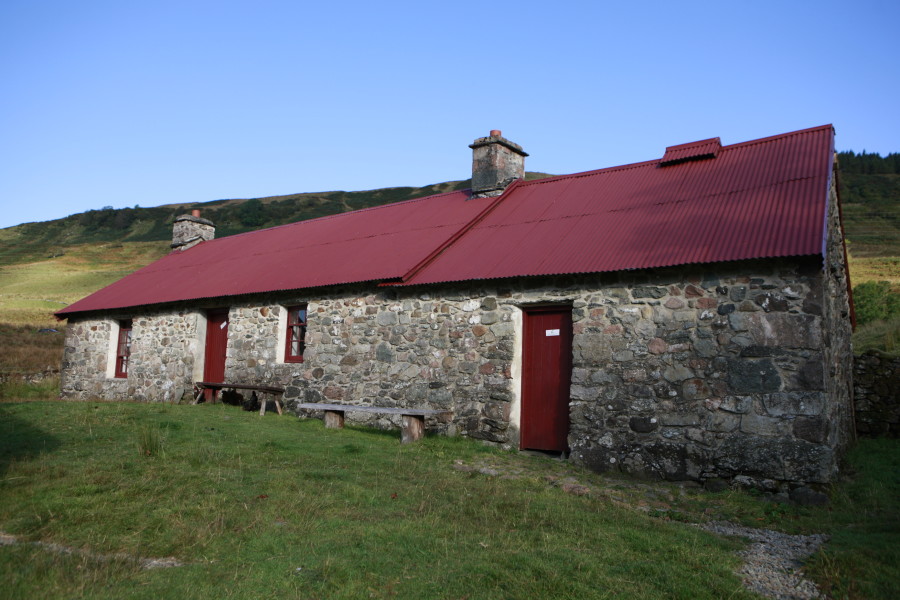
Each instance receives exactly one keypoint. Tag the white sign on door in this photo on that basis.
(552, 332)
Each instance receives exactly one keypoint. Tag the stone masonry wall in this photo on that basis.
(680, 373)
(877, 400)
(84, 363)
(713, 375)
(684, 373)
(163, 350)
(838, 421)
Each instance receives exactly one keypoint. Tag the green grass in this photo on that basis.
(276, 507)
(30, 292)
(883, 336)
(20, 389)
(862, 560)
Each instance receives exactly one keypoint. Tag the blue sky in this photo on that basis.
(126, 103)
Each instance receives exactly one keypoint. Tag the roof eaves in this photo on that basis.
(65, 313)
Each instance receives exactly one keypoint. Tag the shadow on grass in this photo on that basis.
(21, 440)
(374, 431)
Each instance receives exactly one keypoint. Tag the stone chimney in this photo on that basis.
(496, 162)
(190, 230)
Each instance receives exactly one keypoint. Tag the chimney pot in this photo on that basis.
(496, 133)
(195, 212)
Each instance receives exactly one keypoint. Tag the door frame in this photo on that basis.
(565, 370)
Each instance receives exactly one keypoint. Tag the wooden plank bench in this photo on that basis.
(267, 390)
(413, 423)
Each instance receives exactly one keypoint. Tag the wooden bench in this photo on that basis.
(266, 390)
(413, 427)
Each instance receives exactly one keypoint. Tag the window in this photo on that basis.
(123, 349)
(295, 340)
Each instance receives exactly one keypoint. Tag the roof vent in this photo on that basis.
(691, 151)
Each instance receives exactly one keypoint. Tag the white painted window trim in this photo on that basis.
(112, 348)
(199, 346)
(515, 409)
(282, 334)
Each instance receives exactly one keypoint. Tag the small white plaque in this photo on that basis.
(223, 325)
(552, 332)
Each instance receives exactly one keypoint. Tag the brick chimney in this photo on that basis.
(496, 162)
(190, 230)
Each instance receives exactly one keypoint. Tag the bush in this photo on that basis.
(883, 336)
(876, 301)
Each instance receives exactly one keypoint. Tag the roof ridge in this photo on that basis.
(589, 173)
(779, 136)
(656, 161)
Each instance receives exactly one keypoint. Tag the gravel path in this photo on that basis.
(773, 561)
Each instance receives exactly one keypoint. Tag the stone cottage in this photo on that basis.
(686, 317)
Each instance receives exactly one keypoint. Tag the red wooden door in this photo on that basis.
(546, 375)
(216, 342)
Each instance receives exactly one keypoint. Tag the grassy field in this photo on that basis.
(31, 339)
(32, 291)
(275, 507)
(874, 268)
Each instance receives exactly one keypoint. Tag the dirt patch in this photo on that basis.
(144, 563)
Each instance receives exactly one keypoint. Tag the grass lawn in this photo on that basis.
(276, 507)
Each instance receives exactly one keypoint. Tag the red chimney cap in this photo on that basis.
(496, 133)
(195, 213)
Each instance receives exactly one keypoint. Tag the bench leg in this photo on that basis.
(413, 429)
(262, 406)
(278, 405)
(334, 419)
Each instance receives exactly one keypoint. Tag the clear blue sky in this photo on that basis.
(126, 103)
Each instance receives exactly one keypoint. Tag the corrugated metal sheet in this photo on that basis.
(692, 150)
(379, 243)
(764, 198)
(756, 199)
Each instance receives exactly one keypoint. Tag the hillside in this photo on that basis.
(870, 191)
(31, 242)
(38, 241)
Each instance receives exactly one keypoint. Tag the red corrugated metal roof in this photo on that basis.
(764, 198)
(757, 199)
(378, 243)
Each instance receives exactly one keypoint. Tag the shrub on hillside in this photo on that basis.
(876, 301)
(883, 336)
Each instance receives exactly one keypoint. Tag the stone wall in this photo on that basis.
(164, 349)
(709, 375)
(83, 374)
(877, 400)
(837, 332)
(703, 372)
(161, 366)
